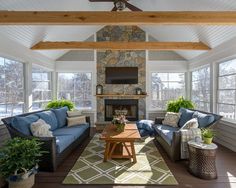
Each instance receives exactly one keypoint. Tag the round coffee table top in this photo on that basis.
(201, 145)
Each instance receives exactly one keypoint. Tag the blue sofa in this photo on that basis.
(64, 139)
(170, 137)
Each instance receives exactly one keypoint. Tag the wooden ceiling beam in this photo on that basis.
(161, 46)
(117, 18)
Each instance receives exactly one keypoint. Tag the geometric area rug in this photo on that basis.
(150, 168)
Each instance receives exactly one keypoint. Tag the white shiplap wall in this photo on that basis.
(13, 50)
(226, 135)
(226, 131)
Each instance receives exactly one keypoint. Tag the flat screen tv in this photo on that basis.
(121, 75)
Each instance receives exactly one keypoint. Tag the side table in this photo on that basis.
(202, 160)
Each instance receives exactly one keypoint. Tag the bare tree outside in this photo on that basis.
(201, 88)
(11, 87)
(166, 87)
(76, 87)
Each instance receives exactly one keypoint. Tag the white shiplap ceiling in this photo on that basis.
(29, 35)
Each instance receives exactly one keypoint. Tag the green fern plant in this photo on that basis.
(60, 103)
(19, 155)
(175, 105)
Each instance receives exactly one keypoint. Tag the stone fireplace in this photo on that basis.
(127, 107)
(120, 58)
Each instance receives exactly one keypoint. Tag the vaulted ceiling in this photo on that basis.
(30, 35)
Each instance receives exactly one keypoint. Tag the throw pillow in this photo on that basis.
(22, 124)
(76, 121)
(49, 117)
(41, 129)
(74, 113)
(171, 119)
(203, 119)
(61, 115)
(191, 124)
(186, 115)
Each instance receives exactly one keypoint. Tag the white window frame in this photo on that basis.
(217, 90)
(49, 81)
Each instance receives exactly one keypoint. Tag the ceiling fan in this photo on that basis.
(119, 5)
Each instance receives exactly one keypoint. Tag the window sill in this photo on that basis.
(153, 110)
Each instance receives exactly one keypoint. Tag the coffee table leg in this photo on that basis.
(112, 150)
(106, 153)
(127, 149)
(133, 152)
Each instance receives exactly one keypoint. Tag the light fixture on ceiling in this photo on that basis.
(120, 5)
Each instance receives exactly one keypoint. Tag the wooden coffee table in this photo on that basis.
(120, 144)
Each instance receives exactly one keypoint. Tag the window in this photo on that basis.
(41, 87)
(201, 88)
(165, 87)
(226, 104)
(11, 87)
(76, 87)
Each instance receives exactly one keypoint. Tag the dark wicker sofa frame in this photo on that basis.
(50, 160)
(173, 150)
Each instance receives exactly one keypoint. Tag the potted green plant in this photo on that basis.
(208, 135)
(60, 103)
(19, 159)
(175, 105)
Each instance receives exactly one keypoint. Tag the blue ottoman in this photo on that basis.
(145, 127)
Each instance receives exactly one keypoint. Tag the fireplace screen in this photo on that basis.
(127, 107)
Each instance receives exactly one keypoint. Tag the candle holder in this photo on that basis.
(99, 89)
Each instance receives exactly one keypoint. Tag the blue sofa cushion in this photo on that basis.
(203, 119)
(22, 124)
(50, 118)
(66, 135)
(63, 141)
(61, 115)
(75, 131)
(186, 115)
(166, 132)
(145, 124)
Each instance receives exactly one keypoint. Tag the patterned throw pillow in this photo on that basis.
(171, 119)
(191, 124)
(76, 121)
(41, 129)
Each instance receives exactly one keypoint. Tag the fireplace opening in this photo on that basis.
(127, 107)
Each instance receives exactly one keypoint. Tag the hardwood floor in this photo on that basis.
(226, 168)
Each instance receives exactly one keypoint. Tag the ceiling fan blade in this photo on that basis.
(101, 0)
(114, 8)
(131, 7)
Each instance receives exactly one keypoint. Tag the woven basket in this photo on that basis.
(25, 183)
(202, 163)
